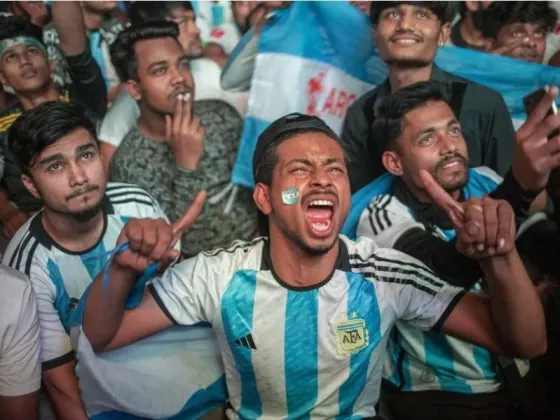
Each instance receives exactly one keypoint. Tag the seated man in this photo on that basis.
(20, 371)
(407, 36)
(517, 29)
(303, 316)
(431, 375)
(63, 247)
(25, 68)
(180, 146)
(124, 112)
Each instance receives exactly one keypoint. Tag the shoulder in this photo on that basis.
(486, 175)
(8, 117)
(483, 97)
(13, 283)
(357, 108)
(22, 249)
(215, 110)
(130, 199)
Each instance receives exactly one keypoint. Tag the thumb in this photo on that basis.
(508, 47)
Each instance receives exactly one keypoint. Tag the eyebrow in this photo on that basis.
(307, 162)
(432, 129)
(60, 156)
(157, 63)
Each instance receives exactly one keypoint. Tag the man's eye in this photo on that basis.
(54, 167)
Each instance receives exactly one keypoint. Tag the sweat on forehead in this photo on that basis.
(8, 43)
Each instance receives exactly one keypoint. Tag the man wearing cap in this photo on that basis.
(25, 68)
(303, 315)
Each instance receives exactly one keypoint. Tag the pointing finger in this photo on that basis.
(189, 217)
(439, 196)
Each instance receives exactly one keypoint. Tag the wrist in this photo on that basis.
(187, 162)
(498, 263)
(123, 273)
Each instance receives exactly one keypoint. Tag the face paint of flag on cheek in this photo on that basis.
(291, 196)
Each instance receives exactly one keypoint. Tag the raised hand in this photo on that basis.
(152, 240)
(184, 134)
(535, 155)
(484, 227)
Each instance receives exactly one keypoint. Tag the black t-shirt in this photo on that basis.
(87, 88)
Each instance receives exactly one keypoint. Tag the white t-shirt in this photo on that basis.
(20, 370)
(226, 36)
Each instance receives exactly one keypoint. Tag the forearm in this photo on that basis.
(69, 23)
(22, 407)
(515, 306)
(105, 308)
(519, 199)
(63, 391)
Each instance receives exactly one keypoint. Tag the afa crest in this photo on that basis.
(351, 336)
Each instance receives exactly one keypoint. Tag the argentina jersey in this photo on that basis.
(313, 352)
(429, 361)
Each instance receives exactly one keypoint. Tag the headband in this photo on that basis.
(10, 42)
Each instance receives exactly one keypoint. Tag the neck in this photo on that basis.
(151, 125)
(469, 33)
(400, 77)
(92, 20)
(297, 268)
(30, 100)
(71, 234)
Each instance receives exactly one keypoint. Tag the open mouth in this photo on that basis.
(28, 74)
(319, 216)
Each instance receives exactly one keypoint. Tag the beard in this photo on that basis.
(456, 184)
(82, 215)
(408, 63)
(300, 243)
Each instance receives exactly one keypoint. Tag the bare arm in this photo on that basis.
(22, 407)
(69, 23)
(510, 321)
(62, 386)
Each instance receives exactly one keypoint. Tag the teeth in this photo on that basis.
(321, 227)
(406, 41)
(322, 203)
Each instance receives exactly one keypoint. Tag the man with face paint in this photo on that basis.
(180, 146)
(56, 147)
(407, 35)
(303, 315)
(24, 67)
(427, 375)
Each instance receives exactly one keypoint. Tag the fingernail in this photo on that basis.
(526, 39)
(480, 247)
(187, 97)
(180, 96)
(501, 243)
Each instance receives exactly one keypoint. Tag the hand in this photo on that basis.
(484, 227)
(507, 48)
(36, 12)
(152, 240)
(184, 134)
(12, 221)
(535, 155)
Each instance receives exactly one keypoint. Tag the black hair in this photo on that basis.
(442, 9)
(387, 126)
(123, 54)
(43, 126)
(149, 11)
(500, 13)
(13, 26)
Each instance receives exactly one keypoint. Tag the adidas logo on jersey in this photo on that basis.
(246, 341)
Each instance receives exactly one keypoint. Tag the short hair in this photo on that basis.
(149, 11)
(43, 126)
(387, 125)
(442, 9)
(499, 14)
(13, 26)
(123, 54)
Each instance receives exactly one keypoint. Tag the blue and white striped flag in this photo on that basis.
(318, 57)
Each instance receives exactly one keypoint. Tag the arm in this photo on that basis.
(510, 321)
(11, 217)
(69, 23)
(238, 69)
(62, 387)
(22, 407)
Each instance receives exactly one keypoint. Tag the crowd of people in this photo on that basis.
(120, 125)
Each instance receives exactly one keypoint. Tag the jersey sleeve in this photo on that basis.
(56, 348)
(187, 292)
(20, 371)
(385, 220)
(419, 297)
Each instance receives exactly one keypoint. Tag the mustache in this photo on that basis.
(400, 32)
(450, 156)
(181, 90)
(327, 191)
(86, 189)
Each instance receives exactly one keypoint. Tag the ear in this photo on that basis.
(30, 185)
(392, 163)
(3, 79)
(444, 33)
(261, 195)
(133, 89)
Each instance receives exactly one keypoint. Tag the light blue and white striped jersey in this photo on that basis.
(418, 360)
(304, 352)
(109, 381)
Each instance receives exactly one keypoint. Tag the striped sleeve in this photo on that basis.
(417, 296)
(385, 220)
(131, 200)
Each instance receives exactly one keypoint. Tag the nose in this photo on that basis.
(447, 145)
(321, 178)
(177, 77)
(24, 59)
(77, 175)
(406, 21)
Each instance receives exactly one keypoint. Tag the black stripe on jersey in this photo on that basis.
(377, 212)
(411, 265)
(12, 260)
(59, 361)
(408, 282)
(131, 187)
(20, 255)
(126, 189)
(160, 303)
(133, 200)
(232, 248)
(399, 270)
(132, 194)
(30, 258)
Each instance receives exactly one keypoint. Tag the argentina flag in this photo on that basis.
(318, 57)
